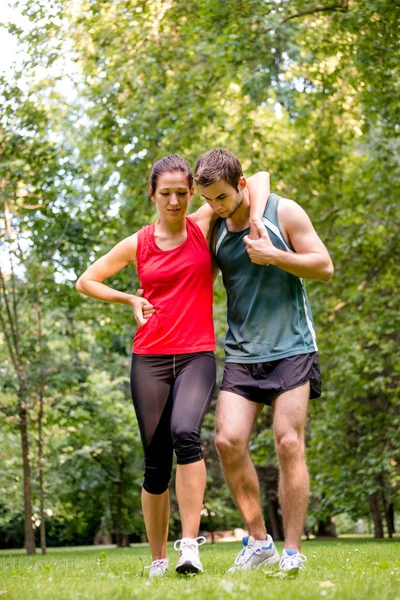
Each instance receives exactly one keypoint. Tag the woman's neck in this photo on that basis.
(169, 235)
(166, 228)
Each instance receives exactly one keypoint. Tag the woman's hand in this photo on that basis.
(142, 309)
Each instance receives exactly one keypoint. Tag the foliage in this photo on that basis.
(307, 90)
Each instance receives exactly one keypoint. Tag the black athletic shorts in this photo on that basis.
(262, 382)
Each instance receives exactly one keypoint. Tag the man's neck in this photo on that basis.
(240, 219)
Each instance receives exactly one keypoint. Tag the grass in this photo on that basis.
(345, 569)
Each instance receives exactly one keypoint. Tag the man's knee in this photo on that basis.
(290, 447)
(231, 448)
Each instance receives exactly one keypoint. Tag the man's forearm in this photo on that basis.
(307, 266)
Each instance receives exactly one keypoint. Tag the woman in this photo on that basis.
(173, 366)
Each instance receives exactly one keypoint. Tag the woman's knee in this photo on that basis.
(187, 445)
(157, 475)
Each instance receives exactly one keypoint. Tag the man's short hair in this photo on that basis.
(218, 165)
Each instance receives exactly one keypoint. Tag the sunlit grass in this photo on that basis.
(344, 569)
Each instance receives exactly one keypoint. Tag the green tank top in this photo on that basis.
(269, 316)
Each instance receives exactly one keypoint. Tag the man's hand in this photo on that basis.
(261, 251)
(142, 309)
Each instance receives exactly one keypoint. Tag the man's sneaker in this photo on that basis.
(189, 558)
(255, 554)
(158, 568)
(292, 561)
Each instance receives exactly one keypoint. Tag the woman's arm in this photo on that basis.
(259, 191)
(205, 218)
(91, 282)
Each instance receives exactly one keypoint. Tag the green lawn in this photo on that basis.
(343, 569)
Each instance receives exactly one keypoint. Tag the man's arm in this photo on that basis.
(310, 260)
(259, 191)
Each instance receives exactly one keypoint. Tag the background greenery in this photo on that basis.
(309, 92)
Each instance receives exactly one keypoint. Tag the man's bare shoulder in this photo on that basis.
(290, 211)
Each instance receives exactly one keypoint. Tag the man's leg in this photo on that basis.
(290, 411)
(235, 419)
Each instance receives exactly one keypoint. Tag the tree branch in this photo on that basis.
(11, 346)
(344, 7)
(377, 268)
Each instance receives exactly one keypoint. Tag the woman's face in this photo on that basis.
(172, 195)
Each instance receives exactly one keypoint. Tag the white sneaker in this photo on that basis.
(189, 558)
(255, 554)
(292, 563)
(158, 568)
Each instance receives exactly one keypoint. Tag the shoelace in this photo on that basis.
(297, 560)
(157, 564)
(199, 541)
(246, 554)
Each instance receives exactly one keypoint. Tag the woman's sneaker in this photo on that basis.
(158, 568)
(292, 561)
(189, 558)
(255, 554)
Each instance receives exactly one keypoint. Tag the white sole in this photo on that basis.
(269, 562)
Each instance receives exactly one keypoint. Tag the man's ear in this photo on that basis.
(242, 182)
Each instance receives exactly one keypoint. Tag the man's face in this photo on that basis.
(222, 197)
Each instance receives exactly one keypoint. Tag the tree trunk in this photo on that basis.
(376, 515)
(40, 425)
(29, 537)
(389, 515)
(326, 528)
(274, 516)
(388, 510)
(9, 325)
(120, 538)
(269, 479)
(390, 519)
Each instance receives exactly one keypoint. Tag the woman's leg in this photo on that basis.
(190, 487)
(156, 518)
(150, 386)
(192, 393)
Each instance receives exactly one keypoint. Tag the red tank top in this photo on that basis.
(179, 285)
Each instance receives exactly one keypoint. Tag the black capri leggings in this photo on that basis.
(171, 394)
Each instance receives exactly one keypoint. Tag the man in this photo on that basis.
(271, 350)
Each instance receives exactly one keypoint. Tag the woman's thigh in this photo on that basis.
(192, 391)
(151, 388)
